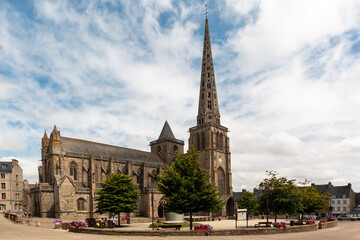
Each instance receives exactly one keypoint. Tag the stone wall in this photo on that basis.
(244, 231)
(328, 225)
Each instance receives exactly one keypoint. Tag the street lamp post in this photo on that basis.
(267, 188)
(153, 186)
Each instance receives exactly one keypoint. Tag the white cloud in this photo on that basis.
(286, 75)
(12, 140)
(286, 27)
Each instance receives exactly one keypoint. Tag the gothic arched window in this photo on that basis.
(217, 141)
(221, 141)
(73, 170)
(221, 181)
(198, 142)
(97, 179)
(158, 149)
(153, 176)
(175, 148)
(202, 141)
(81, 204)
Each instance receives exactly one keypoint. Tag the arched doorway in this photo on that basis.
(37, 208)
(161, 210)
(230, 207)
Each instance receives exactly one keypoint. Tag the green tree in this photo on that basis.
(286, 197)
(313, 201)
(249, 202)
(117, 195)
(186, 187)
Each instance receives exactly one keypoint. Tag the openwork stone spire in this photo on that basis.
(208, 103)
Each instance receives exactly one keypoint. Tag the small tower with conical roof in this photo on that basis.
(166, 146)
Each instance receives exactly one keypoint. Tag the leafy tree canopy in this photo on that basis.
(186, 187)
(117, 195)
(248, 201)
(286, 197)
(313, 201)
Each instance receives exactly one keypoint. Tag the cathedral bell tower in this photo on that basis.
(167, 146)
(209, 136)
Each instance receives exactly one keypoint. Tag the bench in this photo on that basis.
(266, 224)
(198, 218)
(176, 226)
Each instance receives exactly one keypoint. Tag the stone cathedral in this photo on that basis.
(72, 169)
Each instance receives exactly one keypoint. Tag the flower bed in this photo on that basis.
(78, 224)
(207, 228)
(280, 225)
(310, 221)
(57, 220)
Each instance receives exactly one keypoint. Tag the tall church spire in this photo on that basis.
(209, 137)
(208, 103)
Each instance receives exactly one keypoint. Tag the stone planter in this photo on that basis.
(57, 225)
(172, 217)
(65, 226)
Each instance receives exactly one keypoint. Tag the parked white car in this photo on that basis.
(345, 217)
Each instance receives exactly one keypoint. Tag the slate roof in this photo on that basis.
(337, 191)
(72, 145)
(166, 132)
(321, 188)
(6, 166)
(236, 196)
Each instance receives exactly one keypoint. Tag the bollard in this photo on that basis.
(29, 222)
(37, 223)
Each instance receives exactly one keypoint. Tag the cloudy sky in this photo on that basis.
(287, 72)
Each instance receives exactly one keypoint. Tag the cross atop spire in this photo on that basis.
(208, 103)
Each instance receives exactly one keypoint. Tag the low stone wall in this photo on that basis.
(243, 231)
(328, 225)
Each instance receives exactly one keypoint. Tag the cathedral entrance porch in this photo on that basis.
(230, 207)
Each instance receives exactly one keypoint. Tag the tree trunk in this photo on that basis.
(191, 221)
(119, 218)
(128, 217)
(302, 218)
(275, 217)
